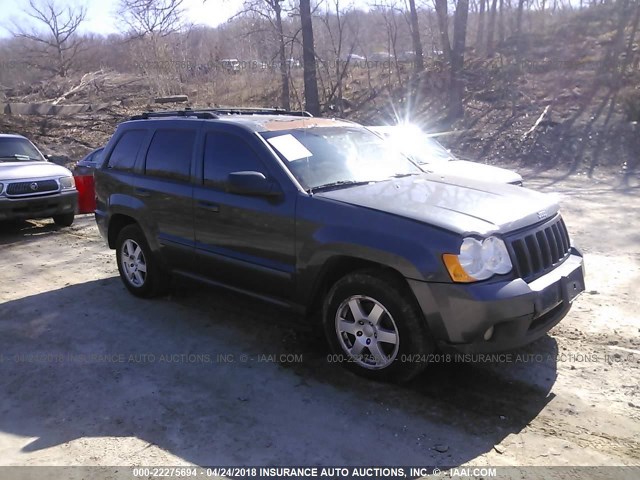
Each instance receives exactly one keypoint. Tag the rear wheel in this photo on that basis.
(375, 327)
(139, 270)
(65, 220)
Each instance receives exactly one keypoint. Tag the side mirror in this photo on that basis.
(47, 157)
(251, 183)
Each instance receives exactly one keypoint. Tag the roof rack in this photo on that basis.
(212, 113)
(187, 112)
(256, 111)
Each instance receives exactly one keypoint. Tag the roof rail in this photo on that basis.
(256, 111)
(187, 112)
(212, 113)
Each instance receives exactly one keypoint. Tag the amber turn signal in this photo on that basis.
(456, 272)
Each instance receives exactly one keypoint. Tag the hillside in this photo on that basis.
(548, 100)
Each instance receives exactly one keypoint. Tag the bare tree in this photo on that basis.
(57, 38)
(443, 26)
(501, 16)
(337, 25)
(312, 101)
(415, 37)
(612, 58)
(481, 22)
(271, 11)
(491, 28)
(149, 25)
(628, 59)
(284, 64)
(151, 17)
(519, 14)
(389, 11)
(456, 89)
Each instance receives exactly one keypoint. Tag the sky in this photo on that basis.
(101, 16)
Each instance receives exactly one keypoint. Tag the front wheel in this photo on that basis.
(375, 327)
(138, 267)
(65, 220)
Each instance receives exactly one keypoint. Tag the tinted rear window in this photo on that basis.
(170, 153)
(123, 156)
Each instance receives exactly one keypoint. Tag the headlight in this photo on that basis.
(67, 183)
(478, 260)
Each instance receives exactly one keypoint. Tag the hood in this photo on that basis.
(10, 171)
(456, 204)
(477, 171)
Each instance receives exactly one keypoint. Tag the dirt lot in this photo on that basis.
(90, 375)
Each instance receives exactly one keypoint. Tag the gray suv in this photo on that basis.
(322, 217)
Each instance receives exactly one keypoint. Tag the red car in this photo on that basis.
(83, 174)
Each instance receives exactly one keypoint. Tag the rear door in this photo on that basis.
(166, 190)
(242, 240)
(118, 177)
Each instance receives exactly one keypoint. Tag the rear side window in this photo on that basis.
(170, 153)
(123, 156)
(224, 154)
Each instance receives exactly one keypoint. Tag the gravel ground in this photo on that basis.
(90, 375)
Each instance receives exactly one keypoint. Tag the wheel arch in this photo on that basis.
(338, 267)
(116, 223)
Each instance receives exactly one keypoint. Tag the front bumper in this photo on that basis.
(460, 315)
(38, 206)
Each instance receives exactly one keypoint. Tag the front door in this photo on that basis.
(243, 241)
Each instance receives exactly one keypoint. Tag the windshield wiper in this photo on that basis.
(22, 158)
(340, 183)
(401, 175)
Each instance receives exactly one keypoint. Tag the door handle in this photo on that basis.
(209, 206)
(142, 192)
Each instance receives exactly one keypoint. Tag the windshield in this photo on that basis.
(97, 156)
(432, 152)
(93, 159)
(419, 146)
(18, 149)
(331, 156)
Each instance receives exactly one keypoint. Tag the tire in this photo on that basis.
(386, 309)
(65, 220)
(139, 269)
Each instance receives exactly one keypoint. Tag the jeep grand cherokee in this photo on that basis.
(321, 216)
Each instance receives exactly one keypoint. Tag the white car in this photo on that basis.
(425, 150)
(352, 57)
(381, 57)
(31, 186)
(231, 64)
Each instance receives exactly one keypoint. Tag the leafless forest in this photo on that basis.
(548, 83)
(550, 88)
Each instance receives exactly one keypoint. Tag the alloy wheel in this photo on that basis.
(367, 332)
(134, 264)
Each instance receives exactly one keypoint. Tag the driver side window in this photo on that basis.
(225, 153)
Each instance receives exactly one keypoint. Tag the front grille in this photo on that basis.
(539, 250)
(32, 188)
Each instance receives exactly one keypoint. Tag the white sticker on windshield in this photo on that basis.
(290, 147)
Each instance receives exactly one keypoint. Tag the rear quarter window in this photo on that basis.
(124, 154)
